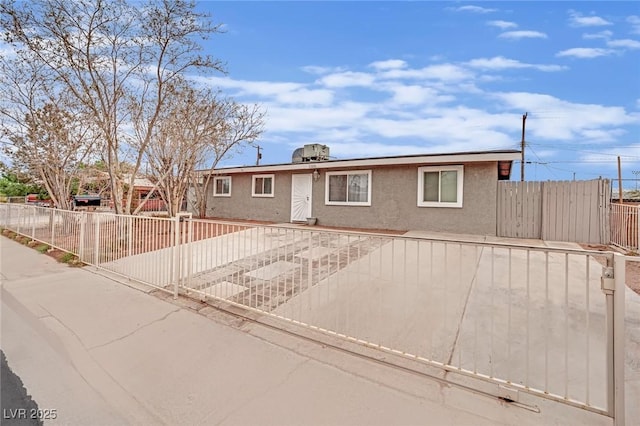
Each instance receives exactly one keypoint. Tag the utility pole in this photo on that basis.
(620, 197)
(259, 156)
(524, 119)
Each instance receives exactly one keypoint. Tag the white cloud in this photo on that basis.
(601, 135)
(306, 97)
(516, 35)
(319, 70)
(630, 154)
(442, 72)
(388, 64)
(290, 119)
(347, 79)
(635, 24)
(606, 34)
(503, 25)
(474, 9)
(288, 93)
(404, 95)
(577, 20)
(584, 52)
(569, 120)
(372, 149)
(416, 110)
(625, 43)
(501, 63)
(7, 51)
(450, 129)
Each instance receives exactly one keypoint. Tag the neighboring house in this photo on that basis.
(454, 192)
(141, 188)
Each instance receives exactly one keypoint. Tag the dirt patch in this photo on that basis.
(57, 254)
(632, 268)
(632, 272)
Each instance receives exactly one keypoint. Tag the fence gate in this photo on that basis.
(576, 211)
(516, 321)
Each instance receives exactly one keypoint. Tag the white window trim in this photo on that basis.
(215, 186)
(347, 203)
(253, 186)
(460, 180)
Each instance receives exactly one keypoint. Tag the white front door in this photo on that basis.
(301, 197)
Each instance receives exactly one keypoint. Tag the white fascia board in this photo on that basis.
(372, 162)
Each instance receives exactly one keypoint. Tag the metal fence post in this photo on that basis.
(179, 241)
(613, 286)
(619, 338)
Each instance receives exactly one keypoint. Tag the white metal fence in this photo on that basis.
(625, 231)
(540, 321)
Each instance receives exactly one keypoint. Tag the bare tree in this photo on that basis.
(196, 127)
(93, 178)
(49, 138)
(55, 145)
(112, 57)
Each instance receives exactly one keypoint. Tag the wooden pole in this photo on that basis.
(619, 181)
(524, 119)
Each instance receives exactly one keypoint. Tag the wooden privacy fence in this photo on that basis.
(576, 211)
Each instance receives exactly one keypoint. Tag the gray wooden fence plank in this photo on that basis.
(554, 210)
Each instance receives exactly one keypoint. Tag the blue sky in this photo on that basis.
(393, 78)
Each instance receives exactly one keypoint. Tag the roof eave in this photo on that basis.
(376, 162)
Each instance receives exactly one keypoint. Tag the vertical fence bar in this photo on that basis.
(492, 291)
(509, 321)
(546, 310)
(129, 235)
(528, 317)
(566, 325)
(33, 225)
(96, 248)
(82, 237)
(637, 230)
(52, 218)
(431, 294)
(460, 286)
(175, 227)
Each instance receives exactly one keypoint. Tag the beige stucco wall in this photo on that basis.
(241, 205)
(393, 202)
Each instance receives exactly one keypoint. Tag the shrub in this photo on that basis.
(42, 248)
(67, 257)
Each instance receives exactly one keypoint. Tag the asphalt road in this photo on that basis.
(17, 406)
